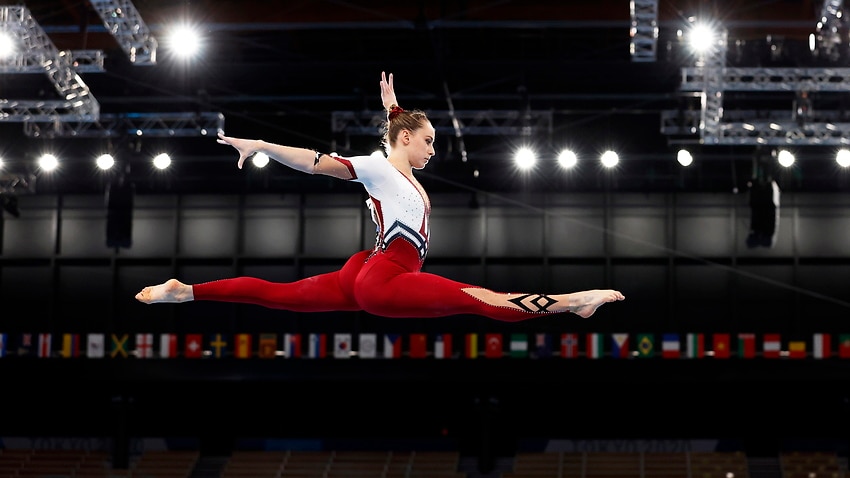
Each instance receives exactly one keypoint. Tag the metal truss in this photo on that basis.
(769, 79)
(159, 125)
(78, 103)
(751, 127)
(123, 21)
(761, 127)
(712, 63)
(644, 30)
(471, 122)
(78, 114)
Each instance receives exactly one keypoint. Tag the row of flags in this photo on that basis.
(420, 345)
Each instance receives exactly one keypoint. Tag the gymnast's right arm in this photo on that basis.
(300, 159)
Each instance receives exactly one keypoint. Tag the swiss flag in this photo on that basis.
(194, 346)
(493, 345)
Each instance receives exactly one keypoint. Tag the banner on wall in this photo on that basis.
(514, 346)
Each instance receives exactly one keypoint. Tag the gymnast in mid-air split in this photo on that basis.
(387, 280)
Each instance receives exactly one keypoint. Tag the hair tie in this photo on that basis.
(395, 110)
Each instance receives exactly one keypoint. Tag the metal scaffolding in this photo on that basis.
(157, 125)
(470, 122)
(78, 115)
(822, 127)
(713, 123)
(643, 30)
(123, 21)
(40, 54)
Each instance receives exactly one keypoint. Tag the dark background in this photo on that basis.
(279, 71)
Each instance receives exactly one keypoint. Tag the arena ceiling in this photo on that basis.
(282, 71)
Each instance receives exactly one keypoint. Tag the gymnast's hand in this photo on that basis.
(245, 147)
(387, 91)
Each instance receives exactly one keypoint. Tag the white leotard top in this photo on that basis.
(400, 207)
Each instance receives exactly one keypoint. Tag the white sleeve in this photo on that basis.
(370, 171)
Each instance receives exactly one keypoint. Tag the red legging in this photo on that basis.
(388, 284)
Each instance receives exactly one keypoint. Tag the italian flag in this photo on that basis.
(595, 347)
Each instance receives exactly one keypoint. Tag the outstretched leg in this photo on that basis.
(583, 303)
(391, 285)
(332, 291)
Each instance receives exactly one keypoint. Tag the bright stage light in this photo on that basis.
(162, 160)
(609, 159)
(105, 161)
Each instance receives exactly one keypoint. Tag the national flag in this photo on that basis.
(70, 345)
(167, 345)
(542, 346)
(519, 345)
(25, 345)
(595, 348)
(119, 345)
(646, 345)
(367, 346)
(219, 346)
(342, 346)
(144, 345)
(292, 345)
(771, 346)
(471, 349)
(620, 346)
(493, 345)
(193, 347)
(822, 346)
(418, 346)
(695, 345)
(317, 346)
(95, 347)
(392, 346)
(746, 345)
(267, 346)
(3, 345)
(721, 346)
(44, 345)
(243, 348)
(569, 345)
(670, 346)
(797, 349)
(443, 346)
(844, 346)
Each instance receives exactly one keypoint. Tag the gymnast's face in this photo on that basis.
(420, 144)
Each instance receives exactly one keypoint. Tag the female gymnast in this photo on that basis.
(386, 280)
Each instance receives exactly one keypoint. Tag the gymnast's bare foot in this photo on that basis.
(171, 291)
(585, 303)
